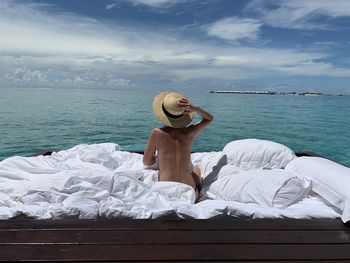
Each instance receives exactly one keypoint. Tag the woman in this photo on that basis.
(170, 146)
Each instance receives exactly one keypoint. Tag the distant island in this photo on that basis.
(257, 92)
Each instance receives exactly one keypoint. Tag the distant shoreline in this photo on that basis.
(257, 92)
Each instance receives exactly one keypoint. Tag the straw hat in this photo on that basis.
(166, 108)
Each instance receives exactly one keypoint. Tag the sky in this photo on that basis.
(274, 45)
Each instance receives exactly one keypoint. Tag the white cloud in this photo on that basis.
(23, 74)
(110, 6)
(234, 28)
(315, 69)
(324, 43)
(334, 8)
(30, 28)
(298, 14)
(157, 3)
(150, 3)
(39, 46)
(119, 82)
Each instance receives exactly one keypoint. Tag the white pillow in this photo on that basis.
(253, 153)
(330, 180)
(273, 188)
(208, 161)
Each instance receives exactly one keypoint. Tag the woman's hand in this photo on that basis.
(186, 105)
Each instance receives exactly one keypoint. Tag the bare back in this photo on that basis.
(174, 154)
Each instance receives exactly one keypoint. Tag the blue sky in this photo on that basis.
(281, 45)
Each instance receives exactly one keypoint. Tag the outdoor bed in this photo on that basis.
(260, 202)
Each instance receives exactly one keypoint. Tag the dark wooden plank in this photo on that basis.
(176, 252)
(236, 261)
(216, 261)
(174, 237)
(308, 153)
(45, 152)
(190, 224)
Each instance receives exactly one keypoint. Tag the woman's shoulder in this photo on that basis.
(156, 130)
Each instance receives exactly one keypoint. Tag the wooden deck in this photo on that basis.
(225, 239)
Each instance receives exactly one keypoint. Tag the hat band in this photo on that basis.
(167, 113)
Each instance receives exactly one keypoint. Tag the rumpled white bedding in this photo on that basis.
(99, 180)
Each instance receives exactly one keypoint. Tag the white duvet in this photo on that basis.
(99, 180)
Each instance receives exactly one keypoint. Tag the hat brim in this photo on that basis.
(181, 122)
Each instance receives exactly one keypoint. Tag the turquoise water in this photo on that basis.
(35, 119)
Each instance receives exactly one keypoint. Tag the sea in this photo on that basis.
(32, 120)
